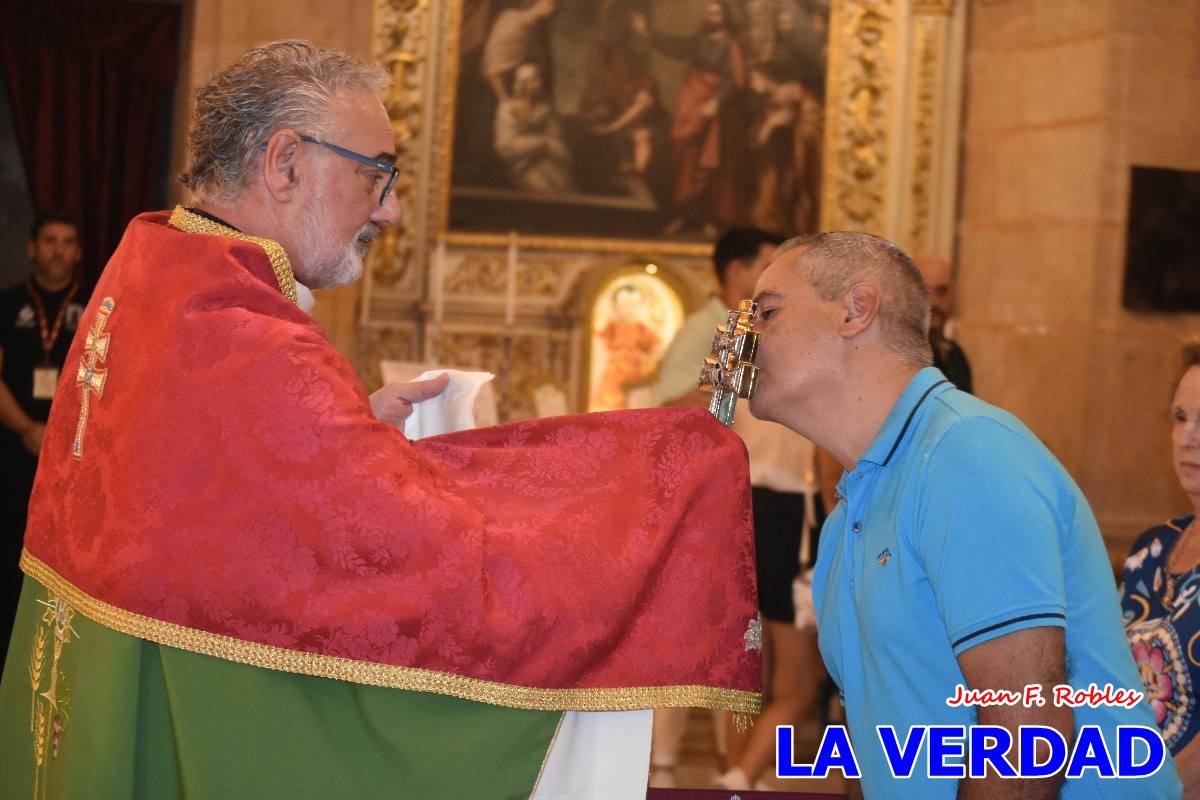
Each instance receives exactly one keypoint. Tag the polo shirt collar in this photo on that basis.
(925, 384)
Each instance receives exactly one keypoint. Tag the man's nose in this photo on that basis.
(391, 212)
(1192, 438)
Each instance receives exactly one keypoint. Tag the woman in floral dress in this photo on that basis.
(1160, 595)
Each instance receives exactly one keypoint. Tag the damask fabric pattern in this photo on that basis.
(235, 483)
(1162, 621)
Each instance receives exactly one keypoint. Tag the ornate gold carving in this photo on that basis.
(537, 359)
(373, 673)
(540, 277)
(486, 273)
(479, 273)
(647, 247)
(522, 360)
(861, 58)
(401, 47)
(943, 7)
(188, 222)
(928, 55)
(384, 342)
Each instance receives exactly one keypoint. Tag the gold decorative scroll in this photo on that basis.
(927, 38)
(943, 7)
(862, 51)
(402, 47)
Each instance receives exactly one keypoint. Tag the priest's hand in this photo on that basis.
(394, 402)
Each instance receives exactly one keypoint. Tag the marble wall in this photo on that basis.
(1063, 96)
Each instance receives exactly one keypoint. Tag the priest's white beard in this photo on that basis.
(328, 264)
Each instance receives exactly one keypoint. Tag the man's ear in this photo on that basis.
(282, 155)
(861, 306)
(30, 249)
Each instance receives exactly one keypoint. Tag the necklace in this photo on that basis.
(1173, 577)
(49, 333)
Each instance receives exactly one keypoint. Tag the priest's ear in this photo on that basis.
(282, 154)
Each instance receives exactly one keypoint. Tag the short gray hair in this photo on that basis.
(287, 84)
(834, 262)
(1189, 357)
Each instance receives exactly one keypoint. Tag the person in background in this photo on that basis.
(38, 318)
(529, 137)
(784, 503)
(518, 36)
(1159, 591)
(961, 554)
(947, 355)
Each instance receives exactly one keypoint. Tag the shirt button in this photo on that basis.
(856, 527)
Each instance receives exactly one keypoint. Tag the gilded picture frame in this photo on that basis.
(631, 187)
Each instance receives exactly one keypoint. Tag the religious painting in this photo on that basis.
(663, 120)
(1162, 262)
(635, 314)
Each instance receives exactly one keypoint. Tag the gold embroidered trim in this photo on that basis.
(188, 222)
(387, 675)
(48, 712)
(90, 377)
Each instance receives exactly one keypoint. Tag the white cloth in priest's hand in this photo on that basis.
(305, 298)
(452, 410)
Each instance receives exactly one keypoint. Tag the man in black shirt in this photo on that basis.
(947, 355)
(38, 318)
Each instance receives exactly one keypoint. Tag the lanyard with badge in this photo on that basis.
(45, 375)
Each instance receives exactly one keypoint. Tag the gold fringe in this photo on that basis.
(387, 675)
(188, 222)
(741, 721)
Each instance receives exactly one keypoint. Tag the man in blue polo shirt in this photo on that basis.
(961, 553)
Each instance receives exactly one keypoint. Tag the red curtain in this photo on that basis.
(90, 85)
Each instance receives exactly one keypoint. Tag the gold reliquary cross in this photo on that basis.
(729, 370)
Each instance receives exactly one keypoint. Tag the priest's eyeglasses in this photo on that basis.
(392, 172)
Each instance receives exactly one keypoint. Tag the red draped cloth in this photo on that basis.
(235, 496)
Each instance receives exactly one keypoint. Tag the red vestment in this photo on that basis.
(234, 483)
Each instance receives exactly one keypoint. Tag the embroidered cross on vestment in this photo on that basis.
(90, 378)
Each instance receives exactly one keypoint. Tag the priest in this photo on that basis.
(240, 581)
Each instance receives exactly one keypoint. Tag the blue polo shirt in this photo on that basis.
(958, 526)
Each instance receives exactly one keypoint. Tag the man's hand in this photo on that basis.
(1013, 661)
(32, 436)
(394, 402)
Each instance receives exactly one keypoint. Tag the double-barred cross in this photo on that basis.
(730, 369)
(90, 378)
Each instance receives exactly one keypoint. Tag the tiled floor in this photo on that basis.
(699, 763)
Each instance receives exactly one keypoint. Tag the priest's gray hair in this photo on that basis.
(286, 84)
(834, 262)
